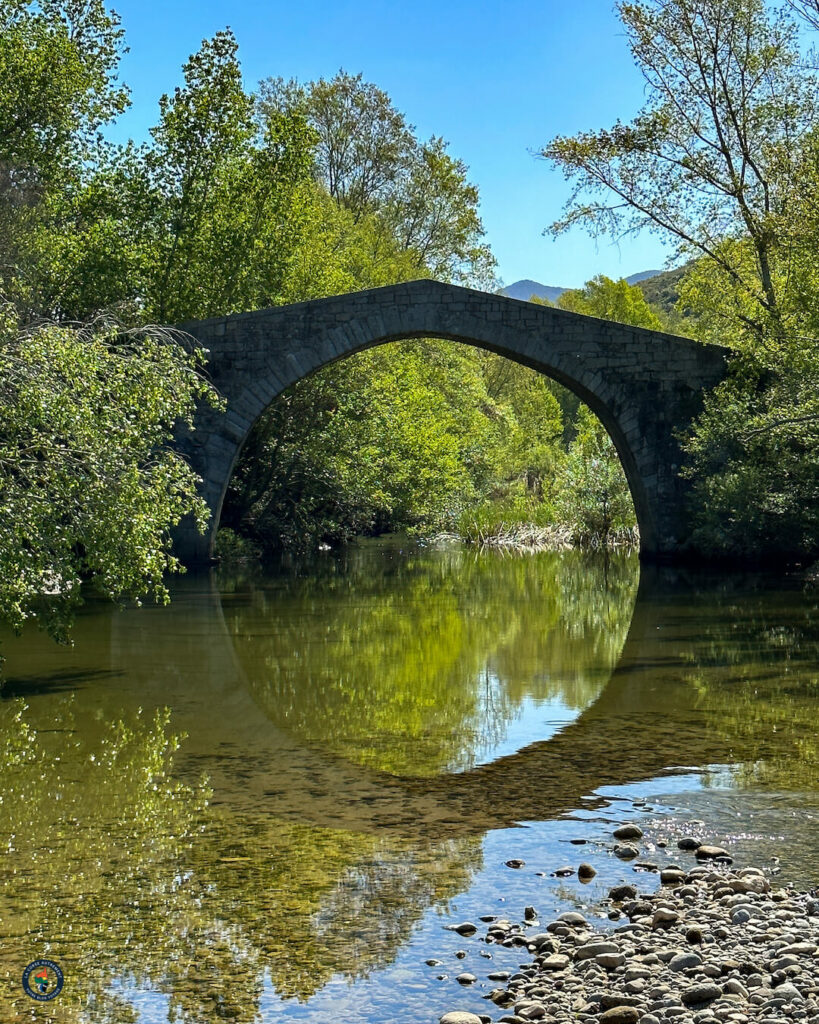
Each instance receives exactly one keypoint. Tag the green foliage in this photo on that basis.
(397, 438)
(229, 197)
(612, 300)
(722, 160)
(58, 66)
(714, 153)
(370, 162)
(594, 498)
(754, 463)
(433, 653)
(88, 483)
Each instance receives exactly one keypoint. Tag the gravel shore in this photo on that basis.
(712, 945)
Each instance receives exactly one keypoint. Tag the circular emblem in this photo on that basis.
(42, 980)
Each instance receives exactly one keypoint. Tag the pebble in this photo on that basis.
(460, 1017)
(695, 995)
(620, 893)
(586, 872)
(628, 831)
(466, 928)
(710, 852)
(684, 961)
(620, 1015)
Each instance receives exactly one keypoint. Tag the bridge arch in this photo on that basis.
(643, 385)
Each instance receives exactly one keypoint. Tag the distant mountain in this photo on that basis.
(644, 275)
(526, 289)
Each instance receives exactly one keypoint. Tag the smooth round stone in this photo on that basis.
(515, 863)
(529, 914)
(664, 916)
(573, 918)
(706, 992)
(740, 917)
(684, 961)
(555, 962)
(711, 852)
(465, 928)
(460, 1017)
(620, 893)
(586, 872)
(620, 1015)
(787, 991)
(609, 961)
(628, 831)
(735, 987)
(466, 978)
(688, 843)
(626, 851)
(594, 949)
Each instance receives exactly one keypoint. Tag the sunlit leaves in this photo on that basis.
(89, 485)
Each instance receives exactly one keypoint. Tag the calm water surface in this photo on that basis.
(267, 801)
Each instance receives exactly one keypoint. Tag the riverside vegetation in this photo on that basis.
(245, 199)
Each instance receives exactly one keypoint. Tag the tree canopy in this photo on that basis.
(722, 161)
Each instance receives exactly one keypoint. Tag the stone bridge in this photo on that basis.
(643, 385)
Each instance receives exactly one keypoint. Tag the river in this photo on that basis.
(267, 801)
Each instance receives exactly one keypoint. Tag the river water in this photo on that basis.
(267, 801)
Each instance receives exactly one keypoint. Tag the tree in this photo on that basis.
(594, 498)
(364, 142)
(229, 198)
(393, 439)
(58, 87)
(612, 300)
(712, 156)
(723, 161)
(89, 484)
(371, 163)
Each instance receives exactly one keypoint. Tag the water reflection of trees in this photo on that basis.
(130, 880)
(753, 653)
(417, 663)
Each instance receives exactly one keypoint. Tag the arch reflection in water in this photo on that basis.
(414, 661)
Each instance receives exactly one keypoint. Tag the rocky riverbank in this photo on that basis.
(714, 945)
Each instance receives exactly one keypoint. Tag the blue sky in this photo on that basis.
(497, 80)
